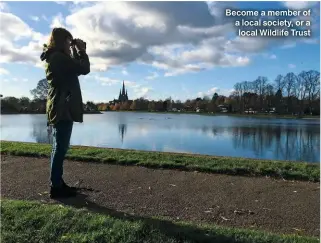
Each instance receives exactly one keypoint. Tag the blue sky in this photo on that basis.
(183, 50)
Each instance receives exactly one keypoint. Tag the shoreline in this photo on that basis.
(178, 161)
(269, 116)
(43, 113)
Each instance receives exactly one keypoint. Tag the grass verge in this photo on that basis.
(188, 162)
(26, 221)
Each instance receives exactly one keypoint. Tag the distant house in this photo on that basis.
(222, 108)
(250, 111)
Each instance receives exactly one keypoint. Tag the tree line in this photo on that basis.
(37, 105)
(289, 94)
(296, 94)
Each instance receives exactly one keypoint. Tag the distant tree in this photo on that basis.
(159, 105)
(260, 85)
(165, 105)
(279, 101)
(211, 106)
(151, 106)
(214, 98)
(312, 82)
(41, 91)
(125, 106)
(133, 106)
(24, 102)
(91, 106)
(279, 82)
(289, 81)
(116, 107)
(10, 104)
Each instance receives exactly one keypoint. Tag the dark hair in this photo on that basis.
(58, 37)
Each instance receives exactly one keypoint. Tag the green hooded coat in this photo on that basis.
(64, 101)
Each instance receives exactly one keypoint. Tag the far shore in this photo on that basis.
(41, 113)
(262, 115)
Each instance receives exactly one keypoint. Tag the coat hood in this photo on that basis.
(47, 52)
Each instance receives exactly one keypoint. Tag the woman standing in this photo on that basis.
(64, 101)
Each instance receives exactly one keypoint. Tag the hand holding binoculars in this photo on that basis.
(80, 44)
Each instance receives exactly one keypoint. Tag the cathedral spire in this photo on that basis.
(123, 92)
(123, 95)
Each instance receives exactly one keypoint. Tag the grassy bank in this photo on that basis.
(25, 221)
(189, 162)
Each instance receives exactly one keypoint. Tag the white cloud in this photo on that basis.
(19, 30)
(269, 56)
(124, 71)
(273, 56)
(4, 6)
(58, 21)
(131, 84)
(3, 71)
(157, 34)
(299, 5)
(143, 92)
(16, 28)
(44, 17)
(212, 91)
(123, 32)
(105, 81)
(35, 18)
(61, 2)
(292, 66)
(138, 90)
(152, 76)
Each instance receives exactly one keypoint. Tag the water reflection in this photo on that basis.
(41, 133)
(122, 131)
(225, 136)
(285, 143)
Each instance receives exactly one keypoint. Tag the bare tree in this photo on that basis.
(289, 81)
(301, 87)
(279, 83)
(260, 85)
(41, 91)
(238, 87)
(312, 80)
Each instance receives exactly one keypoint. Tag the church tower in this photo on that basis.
(123, 94)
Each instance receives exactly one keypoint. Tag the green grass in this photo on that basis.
(26, 221)
(189, 162)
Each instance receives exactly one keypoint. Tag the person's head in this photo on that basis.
(60, 39)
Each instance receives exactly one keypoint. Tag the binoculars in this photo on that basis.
(73, 42)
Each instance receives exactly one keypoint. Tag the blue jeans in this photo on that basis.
(61, 139)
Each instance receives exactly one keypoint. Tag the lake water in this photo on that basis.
(281, 139)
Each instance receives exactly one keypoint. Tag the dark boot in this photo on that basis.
(62, 192)
(68, 187)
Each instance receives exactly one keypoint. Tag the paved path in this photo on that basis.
(258, 203)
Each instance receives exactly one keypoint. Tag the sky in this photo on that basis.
(180, 50)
